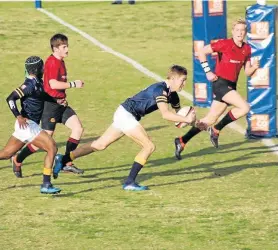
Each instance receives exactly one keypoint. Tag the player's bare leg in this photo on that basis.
(241, 108)
(29, 149)
(46, 143)
(140, 136)
(109, 136)
(75, 125)
(216, 110)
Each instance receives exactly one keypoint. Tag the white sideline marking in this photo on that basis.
(267, 142)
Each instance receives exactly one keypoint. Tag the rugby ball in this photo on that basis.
(185, 111)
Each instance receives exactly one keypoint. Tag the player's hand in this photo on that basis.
(256, 64)
(79, 84)
(191, 117)
(62, 102)
(211, 76)
(201, 125)
(22, 122)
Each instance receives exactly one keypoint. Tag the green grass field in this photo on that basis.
(211, 200)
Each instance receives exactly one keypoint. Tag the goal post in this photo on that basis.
(262, 27)
(38, 4)
(209, 21)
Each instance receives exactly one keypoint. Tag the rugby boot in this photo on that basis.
(16, 167)
(134, 187)
(179, 147)
(214, 135)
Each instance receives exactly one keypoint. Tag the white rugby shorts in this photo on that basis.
(124, 120)
(28, 134)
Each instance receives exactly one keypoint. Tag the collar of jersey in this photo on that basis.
(168, 87)
(33, 77)
(236, 44)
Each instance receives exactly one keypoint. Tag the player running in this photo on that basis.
(126, 122)
(27, 127)
(232, 53)
(55, 84)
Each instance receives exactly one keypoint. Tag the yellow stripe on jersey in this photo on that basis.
(19, 92)
(176, 105)
(161, 98)
(161, 101)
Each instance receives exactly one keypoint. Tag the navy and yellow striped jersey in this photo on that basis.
(146, 101)
(32, 99)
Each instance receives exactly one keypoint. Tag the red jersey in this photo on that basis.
(230, 58)
(54, 69)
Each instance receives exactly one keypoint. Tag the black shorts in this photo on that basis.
(54, 113)
(221, 87)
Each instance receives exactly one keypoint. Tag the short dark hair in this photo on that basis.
(57, 40)
(34, 65)
(176, 69)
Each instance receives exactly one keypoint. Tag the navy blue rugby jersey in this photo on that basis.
(146, 101)
(32, 99)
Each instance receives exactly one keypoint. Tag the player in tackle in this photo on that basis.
(232, 55)
(126, 122)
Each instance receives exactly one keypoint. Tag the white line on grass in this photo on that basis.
(267, 142)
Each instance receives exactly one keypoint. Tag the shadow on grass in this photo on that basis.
(213, 168)
(10, 166)
(198, 169)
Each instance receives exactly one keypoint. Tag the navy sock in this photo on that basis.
(136, 167)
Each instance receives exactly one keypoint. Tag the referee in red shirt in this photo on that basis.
(232, 53)
(55, 85)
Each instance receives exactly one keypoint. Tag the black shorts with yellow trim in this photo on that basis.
(221, 87)
(54, 113)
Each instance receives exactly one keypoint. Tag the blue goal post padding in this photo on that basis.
(261, 86)
(38, 4)
(209, 20)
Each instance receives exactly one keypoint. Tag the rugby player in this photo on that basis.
(232, 55)
(55, 83)
(126, 122)
(27, 129)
